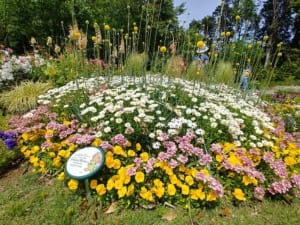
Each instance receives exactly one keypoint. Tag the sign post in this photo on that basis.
(85, 163)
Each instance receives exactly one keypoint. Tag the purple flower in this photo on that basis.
(9, 139)
(10, 143)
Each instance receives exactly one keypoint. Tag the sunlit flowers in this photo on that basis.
(200, 44)
(106, 27)
(239, 194)
(163, 49)
(139, 177)
(73, 184)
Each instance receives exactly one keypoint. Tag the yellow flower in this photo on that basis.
(205, 171)
(73, 184)
(25, 136)
(233, 160)
(290, 161)
(239, 194)
(93, 184)
(57, 162)
(145, 194)
(163, 49)
(106, 27)
(228, 33)
(222, 34)
(219, 158)
(279, 54)
(61, 176)
(64, 154)
(101, 190)
(118, 184)
(200, 44)
(200, 194)
(110, 184)
(97, 142)
(130, 153)
(198, 73)
(249, 180)
(189, 180)
(118, 150)
(117, 164)
(135, 29)
(193, 194)
(130, 190)
(158, 183)
(109, 162)
(211, 196)
(144, 156)
(138, 147)
(171, 189)
(159, 191)
(94, 38)
(139, 177)
(35, 149)
(237, 17)
(185, 190)
(197, 194)
(122, 192)
(173, 179)
(76, 35)
(66, 122)
(266, 37)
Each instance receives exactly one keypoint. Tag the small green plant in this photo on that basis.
(224, 73)
(136, 64)
(23, 97)
(8, 158)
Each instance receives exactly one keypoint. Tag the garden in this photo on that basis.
(150, 125)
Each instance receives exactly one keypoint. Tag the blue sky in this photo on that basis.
(197, 9)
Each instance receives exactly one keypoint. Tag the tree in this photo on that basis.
(295, 7)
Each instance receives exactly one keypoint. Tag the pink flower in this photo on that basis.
(296, 180)
(173, 163)
(280, 187)
(106, 146)
(259, 193)
(119, 139)
(216, 148)
(183, 159)
(162, 156)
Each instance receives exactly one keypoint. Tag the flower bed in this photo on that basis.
(165, 140)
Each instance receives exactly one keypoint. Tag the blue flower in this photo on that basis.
(10, 139)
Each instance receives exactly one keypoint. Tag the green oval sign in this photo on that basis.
(85, 162)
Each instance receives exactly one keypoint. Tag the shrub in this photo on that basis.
(23, 97)
(136, 64)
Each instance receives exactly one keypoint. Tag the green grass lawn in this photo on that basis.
(28, 198)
